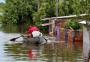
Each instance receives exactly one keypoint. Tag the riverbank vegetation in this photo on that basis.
(20, 12)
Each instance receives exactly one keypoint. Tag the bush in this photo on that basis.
(73, 24)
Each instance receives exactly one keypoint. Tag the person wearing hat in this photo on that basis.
(33, 31)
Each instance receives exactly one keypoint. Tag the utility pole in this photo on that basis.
(57, 7)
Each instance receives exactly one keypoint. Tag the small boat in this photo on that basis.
(34, 40)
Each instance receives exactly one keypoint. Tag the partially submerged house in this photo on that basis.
(62, 20)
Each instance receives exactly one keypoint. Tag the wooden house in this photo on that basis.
(62, 20)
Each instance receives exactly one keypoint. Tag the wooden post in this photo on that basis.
(53, 26)
(86, 43)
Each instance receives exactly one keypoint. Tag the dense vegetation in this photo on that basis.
(31, 11)
(73, 24)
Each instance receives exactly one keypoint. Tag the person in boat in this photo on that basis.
(33, 31)
(33, 36)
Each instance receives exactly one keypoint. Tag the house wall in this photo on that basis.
(78, 35)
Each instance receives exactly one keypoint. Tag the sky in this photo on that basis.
(2, 0)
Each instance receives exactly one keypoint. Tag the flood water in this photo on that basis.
(19, 52)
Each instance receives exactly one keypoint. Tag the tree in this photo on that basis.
(16, 11)
(19, 11)
(46, 9)
(69, 7)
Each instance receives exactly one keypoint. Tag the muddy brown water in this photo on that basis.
(52, 52)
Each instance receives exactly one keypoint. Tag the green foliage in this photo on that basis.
(46, 9)
(17, 11)
(1, 7)
(73, 24)
(68, 7)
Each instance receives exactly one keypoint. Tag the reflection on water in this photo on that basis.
(14, 28)
(44, 53)
(60, 54)
(26, 53)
